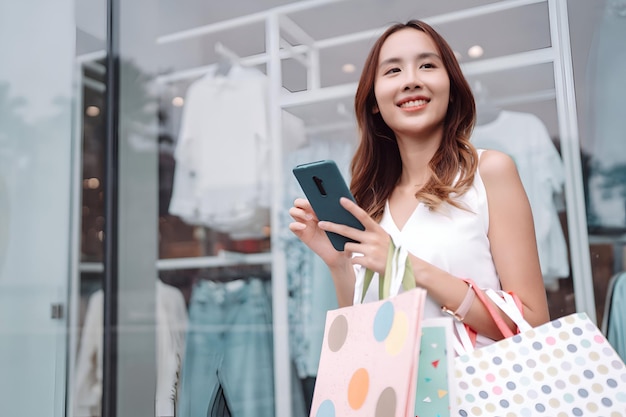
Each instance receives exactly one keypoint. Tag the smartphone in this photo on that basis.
(324, 185)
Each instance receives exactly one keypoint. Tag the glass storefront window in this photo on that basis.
(219, 309)
(38, 151)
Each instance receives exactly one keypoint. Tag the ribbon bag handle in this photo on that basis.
(398, 272)
(495, 316)
(510, 306)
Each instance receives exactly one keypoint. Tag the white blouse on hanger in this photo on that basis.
(223, 173)
(171, 325)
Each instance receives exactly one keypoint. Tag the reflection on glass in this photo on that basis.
(215, 326)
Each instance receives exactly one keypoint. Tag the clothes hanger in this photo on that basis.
(227, 59)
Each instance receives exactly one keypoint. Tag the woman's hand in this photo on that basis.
(305, 227)
(373, 242)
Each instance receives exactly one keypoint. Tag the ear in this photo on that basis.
(375, 109)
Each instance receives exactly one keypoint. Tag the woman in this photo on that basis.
(417, 179)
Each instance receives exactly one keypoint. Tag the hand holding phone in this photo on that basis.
(324, 185)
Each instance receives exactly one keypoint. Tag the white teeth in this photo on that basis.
(414, 103)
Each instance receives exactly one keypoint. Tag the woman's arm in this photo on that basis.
(513, 246)
(512, 235)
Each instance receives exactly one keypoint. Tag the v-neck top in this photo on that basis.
(452, 239)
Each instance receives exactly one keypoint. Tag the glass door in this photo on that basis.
(37, 42)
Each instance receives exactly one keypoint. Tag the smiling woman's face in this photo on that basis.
(412, 86)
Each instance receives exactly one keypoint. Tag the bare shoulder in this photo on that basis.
(495, 165)
(503, 184)
(501, 178)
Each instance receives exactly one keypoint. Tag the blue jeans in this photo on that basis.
(229, 343)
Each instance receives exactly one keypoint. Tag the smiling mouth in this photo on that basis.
(413, 103)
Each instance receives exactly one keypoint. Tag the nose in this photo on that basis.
(412, 80)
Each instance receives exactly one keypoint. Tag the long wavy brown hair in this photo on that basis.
(376, 165)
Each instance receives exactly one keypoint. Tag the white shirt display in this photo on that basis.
(171, 325)
(524, 137)
(223, 169)
(223, 137)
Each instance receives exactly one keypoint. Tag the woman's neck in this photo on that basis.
(416, 156)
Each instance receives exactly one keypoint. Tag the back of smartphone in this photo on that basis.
(323, 185)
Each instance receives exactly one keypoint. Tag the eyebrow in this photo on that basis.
(421, 56)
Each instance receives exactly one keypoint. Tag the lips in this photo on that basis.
(413, 102)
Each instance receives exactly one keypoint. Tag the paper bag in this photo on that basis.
(560, 369)
(369, 359)
(435, 396)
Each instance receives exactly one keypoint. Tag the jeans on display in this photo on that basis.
(228, 347)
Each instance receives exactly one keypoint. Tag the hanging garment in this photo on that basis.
(524, 137)
(607, 124)
(223, 169)
(228, 367)
(229, 347)
(171, 322)
(614, 320)
(222, 140)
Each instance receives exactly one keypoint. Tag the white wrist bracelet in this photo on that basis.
(460, 313)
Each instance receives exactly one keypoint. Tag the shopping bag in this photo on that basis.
(434, 394)
(368, 361)
(563, 368)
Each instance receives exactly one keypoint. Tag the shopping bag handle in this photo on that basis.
(493, 313)
(398, 272)
(510, 305)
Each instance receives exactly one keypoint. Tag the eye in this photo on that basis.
(428, 65)
(392, 70)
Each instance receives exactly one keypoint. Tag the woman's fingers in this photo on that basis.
(342, 229)
(358, 212)
(302, 203)
(372, 242)
(302, 211)
(372, 228)
(297, 226)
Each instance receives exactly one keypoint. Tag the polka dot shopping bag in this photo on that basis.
(368, 364)
(560, 369)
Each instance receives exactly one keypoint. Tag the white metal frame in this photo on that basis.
(570, 148)
(75, 216)
(276, 21)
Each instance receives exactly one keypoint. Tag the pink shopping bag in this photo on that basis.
(369, 359)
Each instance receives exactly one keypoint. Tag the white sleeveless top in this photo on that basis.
(451, 239)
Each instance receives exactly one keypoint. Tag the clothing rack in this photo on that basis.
(243, 20)
(223, 259)
(235, 273)
(316, 94)
(248, 61)
(558, 55)
(89, 60)
(307, 53)
(90, 56)
(309, 44)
